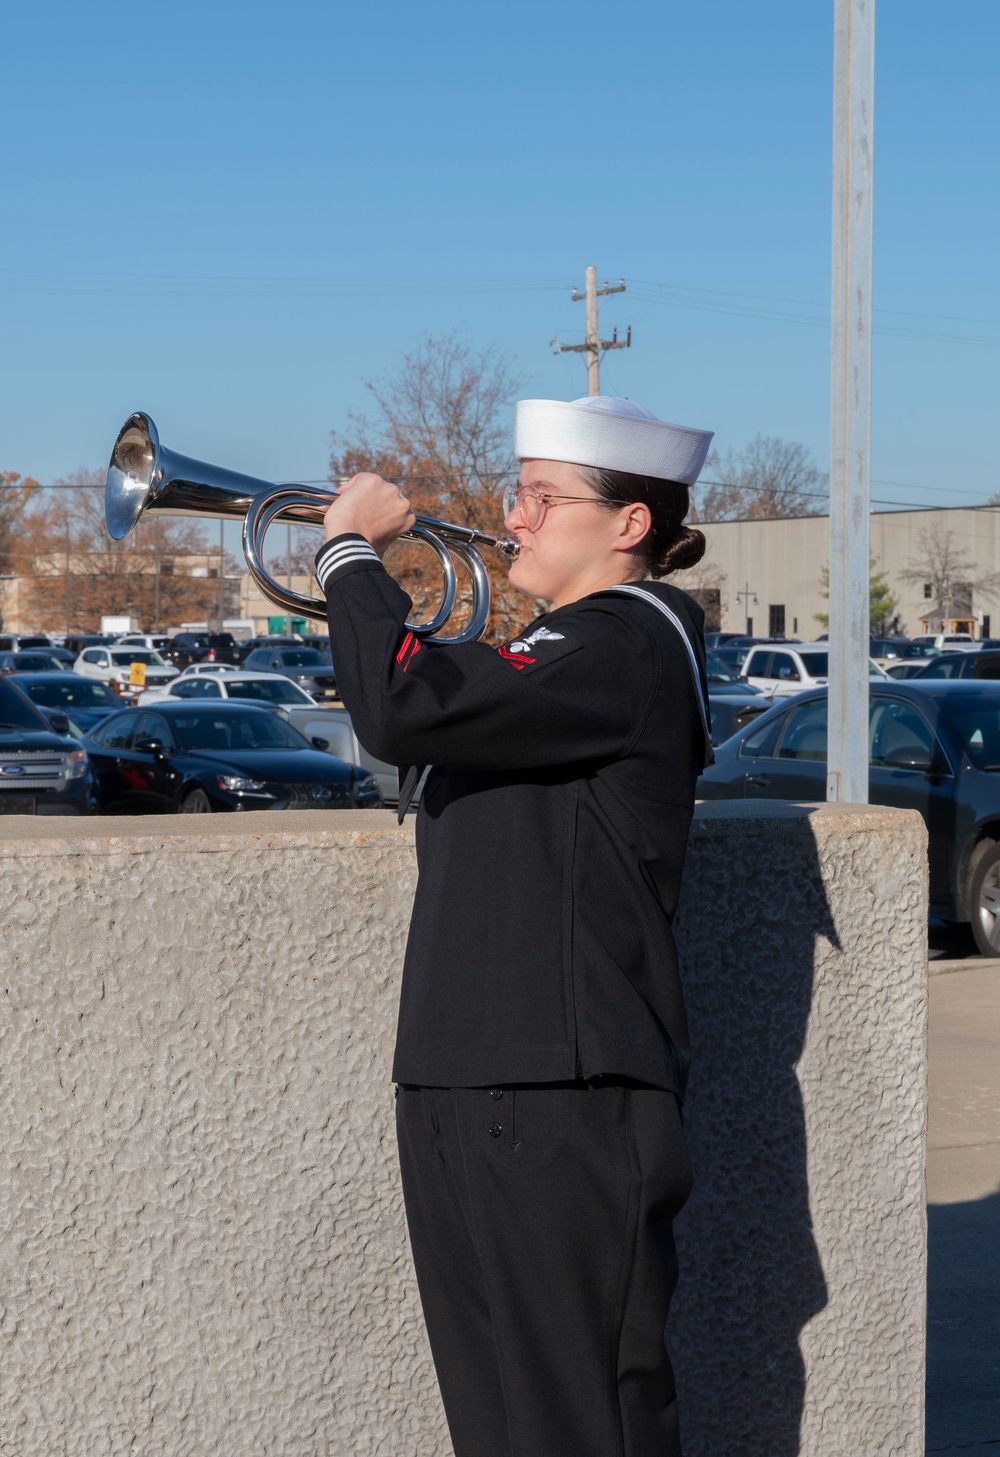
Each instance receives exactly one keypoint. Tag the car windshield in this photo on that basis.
(39, 661)
(718, 671)
(919, 650)
(303, 658)
(137, 655)
(978, 726)
(219, 732)
(72, 693)
(17, 713)
(815, 664)
(267, 690)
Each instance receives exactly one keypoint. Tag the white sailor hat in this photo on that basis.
(609, 433)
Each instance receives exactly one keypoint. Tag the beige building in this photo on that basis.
(768, 574)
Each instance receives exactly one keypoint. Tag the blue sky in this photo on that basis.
(232, 215)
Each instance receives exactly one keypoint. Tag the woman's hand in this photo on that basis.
(371, 507)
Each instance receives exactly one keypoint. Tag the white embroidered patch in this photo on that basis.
(540, 634)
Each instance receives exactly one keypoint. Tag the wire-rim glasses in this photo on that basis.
(533, 503)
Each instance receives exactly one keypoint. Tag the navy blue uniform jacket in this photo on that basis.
(552, 831)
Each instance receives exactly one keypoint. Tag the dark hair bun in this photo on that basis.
(684, 551)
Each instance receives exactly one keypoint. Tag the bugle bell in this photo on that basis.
(144, 475)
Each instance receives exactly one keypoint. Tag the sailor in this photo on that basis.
(542, 1049)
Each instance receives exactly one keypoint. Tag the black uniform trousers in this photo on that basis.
(540, 1223)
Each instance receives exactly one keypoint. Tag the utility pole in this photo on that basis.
(850, 398)
(594, 343)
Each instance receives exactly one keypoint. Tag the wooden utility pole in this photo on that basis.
(850, 398)
(594, 343)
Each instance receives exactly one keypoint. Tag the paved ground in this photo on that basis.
(963, 1380)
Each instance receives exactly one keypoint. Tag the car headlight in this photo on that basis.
(238, 782)
(365, 786)
(77, 764)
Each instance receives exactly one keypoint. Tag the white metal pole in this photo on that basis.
(850, 398)
(593, 337)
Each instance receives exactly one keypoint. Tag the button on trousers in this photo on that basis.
(540, 1224)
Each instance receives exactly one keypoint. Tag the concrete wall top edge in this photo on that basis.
(27, 835)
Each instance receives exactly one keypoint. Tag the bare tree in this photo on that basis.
(705, 582)
(949, 573)
(765, 479)
(73, 572)
(440, 430)
(16, 494)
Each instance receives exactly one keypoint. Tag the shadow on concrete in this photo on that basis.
(963, 1326)
(751, 1276)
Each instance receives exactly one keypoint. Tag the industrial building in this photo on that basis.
(766, 577)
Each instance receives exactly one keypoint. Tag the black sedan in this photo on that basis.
(982, 664)
(933, 747)
(86, 702)
(192, 758)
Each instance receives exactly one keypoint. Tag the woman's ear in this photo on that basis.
(634, 523)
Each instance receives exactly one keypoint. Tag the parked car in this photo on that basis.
(193, 758)
(724, 679)
(113, 665)
(733, 655)
(42, 770)
(14, 642)
(305, 666)
(729, 712)
(155, 641)
(267, 640)
(200, 647)
(196, 684)
(76, 643)
(910, 668)
(319, 641)
(983, 664)
(83, 701)
(934, 747)
(784, 671)
(886, 650)
(335, 726)
(945, 640)
(37, 660)
(728, 639)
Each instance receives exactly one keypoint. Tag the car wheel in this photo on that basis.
(196, 803)
(984, 903)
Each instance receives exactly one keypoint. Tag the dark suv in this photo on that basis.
(42, 770)
(186, 648)
(307, 667)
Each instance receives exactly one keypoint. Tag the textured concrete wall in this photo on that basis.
(201, 1237)
(799, 1320)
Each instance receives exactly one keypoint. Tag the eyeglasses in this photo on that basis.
(533, 503)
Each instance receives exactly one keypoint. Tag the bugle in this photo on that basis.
(144, 475)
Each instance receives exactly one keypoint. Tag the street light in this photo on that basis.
(749, 599)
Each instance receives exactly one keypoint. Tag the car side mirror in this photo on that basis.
(912, 756)
(319, 743)
(151, 746)
(59, 722)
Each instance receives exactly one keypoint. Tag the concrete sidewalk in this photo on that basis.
(963, 1177)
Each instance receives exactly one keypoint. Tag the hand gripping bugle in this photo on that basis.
(144, 475)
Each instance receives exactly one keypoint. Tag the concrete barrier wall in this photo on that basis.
(202, 1246)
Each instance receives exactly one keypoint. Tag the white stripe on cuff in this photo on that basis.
(349, 551)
